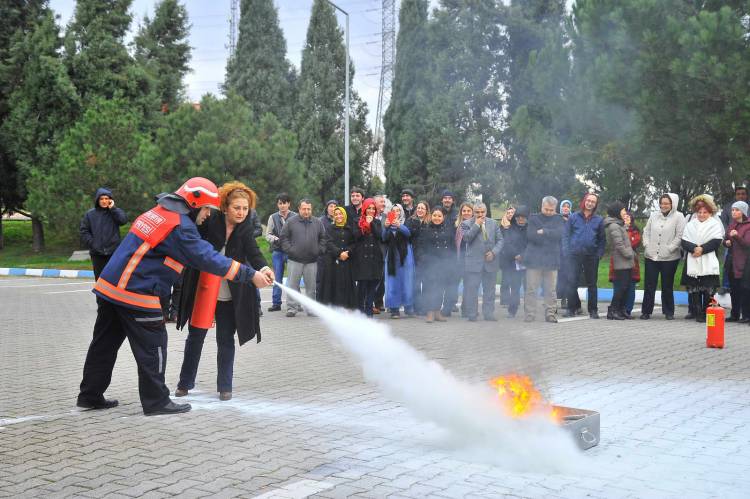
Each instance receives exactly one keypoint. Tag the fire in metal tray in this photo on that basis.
(521, 399)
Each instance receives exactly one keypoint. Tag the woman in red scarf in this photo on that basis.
(368, 258)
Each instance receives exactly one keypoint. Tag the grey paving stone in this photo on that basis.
(302, 411)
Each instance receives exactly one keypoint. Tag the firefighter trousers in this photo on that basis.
(147, 336)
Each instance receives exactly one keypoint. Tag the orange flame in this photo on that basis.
(520, 398)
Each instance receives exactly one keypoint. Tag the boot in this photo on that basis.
(430, 316)
(610, 315)
(439, 317)
(618, 315)
(691, 306)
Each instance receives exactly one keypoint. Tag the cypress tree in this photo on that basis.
(98, 61)
(320, 110)
(161, 47)
(405, 121)
(259, 70)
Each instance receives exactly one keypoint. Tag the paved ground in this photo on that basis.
(304, 422)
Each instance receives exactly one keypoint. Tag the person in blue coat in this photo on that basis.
(583, 245)
(399, 264)
(161, 242)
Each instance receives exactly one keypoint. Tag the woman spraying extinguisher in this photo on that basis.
(237, 308)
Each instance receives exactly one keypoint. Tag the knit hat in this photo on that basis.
(740, 205)
(446, 192)
(407, 191)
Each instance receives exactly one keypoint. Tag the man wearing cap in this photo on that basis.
(407, 202)
(145, 265)
(448, 200)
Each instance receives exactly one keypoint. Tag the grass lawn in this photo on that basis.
(17, 251)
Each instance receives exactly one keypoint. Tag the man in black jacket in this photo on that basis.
(100, 229)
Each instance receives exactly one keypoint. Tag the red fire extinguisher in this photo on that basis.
(205, 300)
(714, 325)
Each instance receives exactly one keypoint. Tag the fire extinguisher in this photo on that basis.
(714, 325)
(206, 295)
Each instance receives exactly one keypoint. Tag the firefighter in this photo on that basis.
(143, 268)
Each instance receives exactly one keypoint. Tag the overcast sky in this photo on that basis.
(209, 38)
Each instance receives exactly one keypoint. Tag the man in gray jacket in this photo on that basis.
(303, 238)
(484, 241)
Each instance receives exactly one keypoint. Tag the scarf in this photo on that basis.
(699, 233)
(398, 244)
(364, 226)
(341, 210)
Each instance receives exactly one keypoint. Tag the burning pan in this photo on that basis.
(582, 424)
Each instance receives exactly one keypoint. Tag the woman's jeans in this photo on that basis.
(225, 328)
(366, 294)
(629, 294)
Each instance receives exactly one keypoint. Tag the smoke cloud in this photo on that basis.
(472, 415)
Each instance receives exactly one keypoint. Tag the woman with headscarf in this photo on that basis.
(737, 242)
(622, 259)
(416, 223)
(327, 219)
(337, 281)
(511, 258)
(368, 257)
(702, 237)
(563, 272)
(662, 240)
(399, 264)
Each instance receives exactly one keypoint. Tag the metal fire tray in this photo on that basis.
(582, 424)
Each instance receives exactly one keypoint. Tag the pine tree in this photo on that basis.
(259, 70)
(162, 48)
(98, 61)
(405, 121)
(538, 72)
(320, 111)
(17, 19)
(40, 107)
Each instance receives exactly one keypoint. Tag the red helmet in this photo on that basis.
(199, 192)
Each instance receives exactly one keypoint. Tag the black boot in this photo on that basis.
(691, 306)
(618, 315)
(610, 316)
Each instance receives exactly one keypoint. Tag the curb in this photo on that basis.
(605, 294)
(70, 274)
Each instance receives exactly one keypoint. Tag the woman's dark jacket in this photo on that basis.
(416, 227)
(337, 280)
(368, 257)
(438, 247)
(243, 248)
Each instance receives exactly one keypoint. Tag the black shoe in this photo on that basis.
(628, 316)
(700, 318)
(645, 317)
(594, 314)
(690, 316)
(567, 314)
(472, 319)
(274, 308)
(617, 315)
(669, 317)
(610, 314)
(170, 408)
(744, 321)
(490, 318)
(732, 319)
(99, 404)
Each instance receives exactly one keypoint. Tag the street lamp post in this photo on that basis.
(346, 109)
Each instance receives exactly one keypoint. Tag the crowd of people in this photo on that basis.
(408, 259)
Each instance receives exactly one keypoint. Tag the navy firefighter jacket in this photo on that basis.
(152, 255)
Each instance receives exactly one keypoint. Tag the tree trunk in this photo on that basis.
(2, 237)
(37, 231)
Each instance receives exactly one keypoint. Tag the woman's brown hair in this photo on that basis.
(236, 189)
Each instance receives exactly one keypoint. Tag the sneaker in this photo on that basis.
(274, 308)
(291, 313)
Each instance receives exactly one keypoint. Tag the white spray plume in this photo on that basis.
(471, 414)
